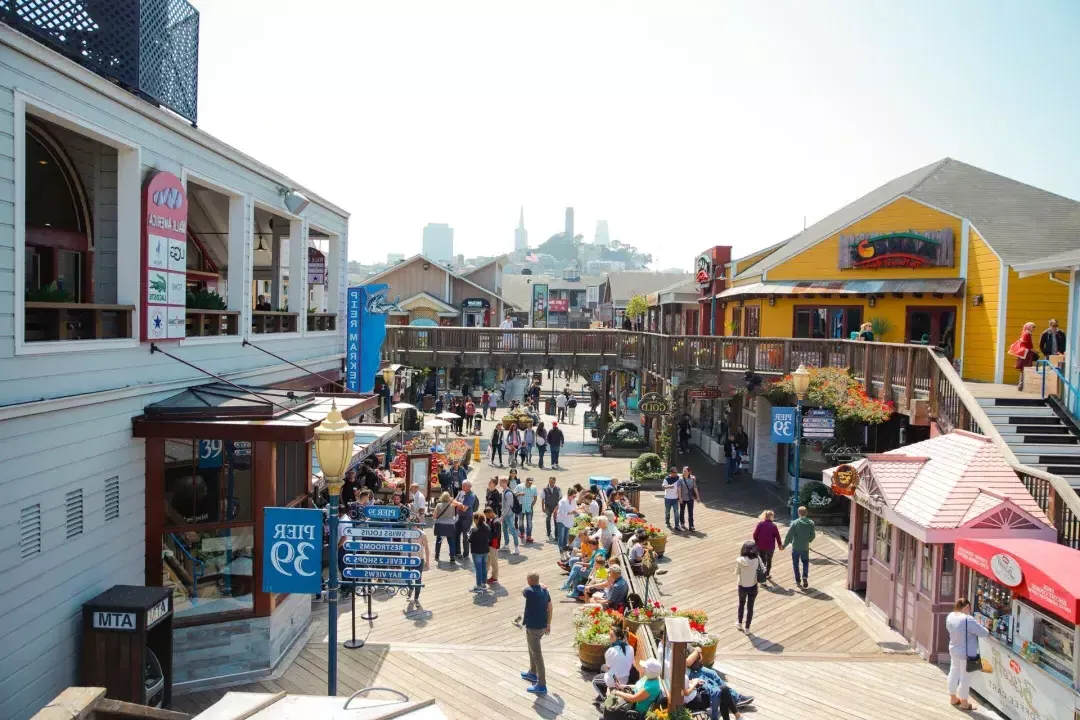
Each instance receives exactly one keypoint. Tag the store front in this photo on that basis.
(902, 544)
(476, 312)
(1028, 593)
(216, 457)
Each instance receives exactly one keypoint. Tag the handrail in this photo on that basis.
(198, 569)
(1044, 364)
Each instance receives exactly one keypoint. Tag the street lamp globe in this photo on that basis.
(800, 380)
(334, 447)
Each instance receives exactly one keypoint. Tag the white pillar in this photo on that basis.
(298, 237)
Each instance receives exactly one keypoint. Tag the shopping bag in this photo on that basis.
(986, 666)
(1017, 349)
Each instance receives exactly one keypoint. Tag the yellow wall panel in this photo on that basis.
(980, 346)
(1033, 299)
(821, 262)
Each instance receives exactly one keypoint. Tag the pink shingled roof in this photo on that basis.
(950, 479)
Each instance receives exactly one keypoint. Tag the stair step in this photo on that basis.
(1025, 429)
(1016, 440)
(1034, 420)
(1011, 402)
(1015, 412)
(1026, 458)
(1043, 450)
(1066, 471)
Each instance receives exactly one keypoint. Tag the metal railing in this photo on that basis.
(197, 567)
(1067, 394)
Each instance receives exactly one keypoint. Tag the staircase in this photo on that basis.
(1037, 435)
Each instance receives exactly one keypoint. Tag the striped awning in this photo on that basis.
(941, 286)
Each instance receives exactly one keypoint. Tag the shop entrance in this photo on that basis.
(903, 618)
(931, 326)
(860, 548)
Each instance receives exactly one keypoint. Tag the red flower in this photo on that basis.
(674, 609)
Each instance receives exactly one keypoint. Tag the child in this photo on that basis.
(493, 546)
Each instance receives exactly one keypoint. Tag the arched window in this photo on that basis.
(59, 241)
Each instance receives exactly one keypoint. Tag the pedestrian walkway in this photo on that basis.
(465, 651)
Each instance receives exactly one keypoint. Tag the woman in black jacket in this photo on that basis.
(497, 443)
(479, 538)
(493, 499)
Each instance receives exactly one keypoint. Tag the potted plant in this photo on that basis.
(731, 350)
(706, 642)
(652, 614)
(881, 327)
(50, 293)
(699, 617)
(774, 353)
(679, 713)
(592, 635)
(647, 467)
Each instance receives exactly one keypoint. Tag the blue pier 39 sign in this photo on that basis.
(783, 425)
(292, 550)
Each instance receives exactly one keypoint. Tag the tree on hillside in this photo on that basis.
(560, 247)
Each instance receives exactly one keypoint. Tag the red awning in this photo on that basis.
(1045, 573)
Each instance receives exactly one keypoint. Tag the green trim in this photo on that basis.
(906, 235)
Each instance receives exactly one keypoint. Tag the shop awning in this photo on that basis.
(940, 286)
(1045, 573)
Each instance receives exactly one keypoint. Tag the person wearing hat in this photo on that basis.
(641, 697)
(555, 441)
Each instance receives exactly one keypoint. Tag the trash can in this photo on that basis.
(633, 493)
(409, 421)
(549, 406)
(429, 403)
(127, 644)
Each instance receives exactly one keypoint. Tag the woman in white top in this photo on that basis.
(618, 664)
(746, 569)
(964, 634)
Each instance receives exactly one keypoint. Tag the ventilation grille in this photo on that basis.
(30, 531)
(112, 499)
(73, 504)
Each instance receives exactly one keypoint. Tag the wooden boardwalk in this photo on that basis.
(465, 651)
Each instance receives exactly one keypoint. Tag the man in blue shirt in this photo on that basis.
(537, 622)
(466, 503)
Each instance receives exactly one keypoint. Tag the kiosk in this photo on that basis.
(127, 644)
(1029, 590)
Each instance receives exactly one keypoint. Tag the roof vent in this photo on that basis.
(30, 531)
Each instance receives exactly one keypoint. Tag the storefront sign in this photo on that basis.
(316, 267)
(354, 301)
(475, 304)
(539, 306)
(783, 425)
(845, 480)
(652, 404)
(705, 393)
(703, 272)
(164, 276)
(558, 306)
(292, 557)
(818, 424)
(210, 454)
(909, 249)
(1019, 690)
(1006, 570)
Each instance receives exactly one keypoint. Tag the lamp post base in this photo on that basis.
(353, 644)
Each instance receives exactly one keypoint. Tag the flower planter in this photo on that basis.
(708, 654)
(775, 356)
(623, 452)
(634, 627)
(659, 545)
(730, 352)
(591, 656)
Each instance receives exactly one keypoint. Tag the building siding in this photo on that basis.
(821, 261)
(980, 334)
(1032, 299)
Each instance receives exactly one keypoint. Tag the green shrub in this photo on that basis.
(205, 300)
(648, 466)
(817, 497)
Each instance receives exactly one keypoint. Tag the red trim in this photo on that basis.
(1048, 571)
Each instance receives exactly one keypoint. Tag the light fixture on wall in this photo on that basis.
(772, 300)
(260, 246)
(977, 300)
(872, 301)
(427, 265)
(295, 201)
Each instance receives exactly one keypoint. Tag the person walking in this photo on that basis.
(767, 539)
(1052, 340)
(485, 399)
(671, 497)
(731, 453)
(571, 409)
(528, 439)
(688, 495)
(560, 405)
(684, 434)
(513, 444)
(470, 415)
(555, 441)
(497, 443)
(1023, 350)
(479, 542)
(550, 499)
(506, 495)
(465, 504)
(445, 526)
(799, 536)
(564, 518)
(459, 408)
(746, 570)
(541, 443)
(527, 494)
(964, 633)
(537, 622)
(493, 403)
(494, 533)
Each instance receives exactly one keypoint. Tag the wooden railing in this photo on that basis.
(265, 321)
(321, 321)
(209, 323)
(53, 322)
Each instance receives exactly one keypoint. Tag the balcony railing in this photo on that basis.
(321, 321)
(210, 323)
(52, 322)
(273, 322)
(149, 47)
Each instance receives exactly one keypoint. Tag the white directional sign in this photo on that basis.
(350, 573)
(389, 561)
(374, 533)
(818, 424)
(382, 547)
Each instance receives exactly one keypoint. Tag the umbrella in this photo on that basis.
(437, 424)
(403, 406)
(448, 416)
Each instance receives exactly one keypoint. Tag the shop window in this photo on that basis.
(948, 571)
(927, 579)
(293, 477)
(823, 323)
(753, 320)
(207, 481)
(210, 572)
(932, 326)
(736, 322)
(883, 541)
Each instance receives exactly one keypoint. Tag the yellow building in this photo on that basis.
(930, 255)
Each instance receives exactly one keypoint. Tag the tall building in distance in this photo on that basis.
(439, 242)
(521, 235)
(602, 237)
(569, 230)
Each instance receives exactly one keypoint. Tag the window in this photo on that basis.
(948, 571)
(293, 477)
(827, 322)
(207, 481)
(932, 326)
(926, 581)
(883, 541)
(211, 572)
(753, 320)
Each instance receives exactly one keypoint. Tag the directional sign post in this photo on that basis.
(819, 424)
(380, 547)
(367, 532)
(387, 561)
(399, 576)
(384, 513)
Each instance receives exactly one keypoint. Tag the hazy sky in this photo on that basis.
(683, 123)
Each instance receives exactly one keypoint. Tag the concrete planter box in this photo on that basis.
(623, 452)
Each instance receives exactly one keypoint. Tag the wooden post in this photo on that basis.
(909, 377)
(886, 378)
(601, 420)
(867, 371)
(677, 636)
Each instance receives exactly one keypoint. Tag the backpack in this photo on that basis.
(648, 564)
(634, 601)
(572, 402)
(515, 506)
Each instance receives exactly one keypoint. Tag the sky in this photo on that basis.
(683, 123)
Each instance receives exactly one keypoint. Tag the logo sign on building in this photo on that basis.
(652, 404)
(1006, 570)
(292, 550)
(164, 274)
(783, 425)
(210, 454)
(703, 272)
(597, 377)
(539, 306)
(475, 304)
(907, 249)
(316, 267)
(845, 480)
(819, 424)
(705, 393)
(559, 305)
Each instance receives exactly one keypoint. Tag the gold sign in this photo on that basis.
(653, 403)
(844, 480)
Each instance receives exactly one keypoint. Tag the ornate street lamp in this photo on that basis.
(800, 380)
(334, 448)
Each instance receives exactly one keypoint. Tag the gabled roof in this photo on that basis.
(1068, 260)
(420, 256)
(500, 259)
(625, 285)
(1020, 222)
(441, 306)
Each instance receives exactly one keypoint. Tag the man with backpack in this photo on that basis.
(511, 507)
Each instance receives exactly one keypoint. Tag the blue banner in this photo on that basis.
(352, 339)
(292, 550)
(350, 573)
(783, 425)
(390, 513)
(365, 317)
(210, 454)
